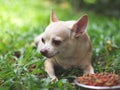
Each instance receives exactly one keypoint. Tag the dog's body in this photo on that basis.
(66, 44)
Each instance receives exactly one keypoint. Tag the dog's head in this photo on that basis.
(59, 35)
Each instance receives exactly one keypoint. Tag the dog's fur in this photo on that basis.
(66, 44)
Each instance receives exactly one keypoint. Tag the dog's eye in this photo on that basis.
(43, 40)
(57, 42)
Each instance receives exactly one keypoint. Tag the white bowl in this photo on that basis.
(96, 87)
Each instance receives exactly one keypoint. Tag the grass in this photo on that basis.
(21, 66)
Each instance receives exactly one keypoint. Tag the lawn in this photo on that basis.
(21, 66)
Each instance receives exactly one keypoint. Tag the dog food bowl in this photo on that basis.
(88, 87)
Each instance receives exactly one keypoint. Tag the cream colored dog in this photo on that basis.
(65, 44)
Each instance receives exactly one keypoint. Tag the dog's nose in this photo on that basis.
(44, 52)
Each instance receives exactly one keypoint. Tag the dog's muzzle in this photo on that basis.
(45, 53)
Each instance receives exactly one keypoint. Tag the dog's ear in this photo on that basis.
(80, 26)
(36, 40)
(53, 17)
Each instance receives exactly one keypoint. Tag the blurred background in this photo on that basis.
(105, 7)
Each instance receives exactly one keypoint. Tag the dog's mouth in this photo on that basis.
(51, 55)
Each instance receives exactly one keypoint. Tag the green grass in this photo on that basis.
(21, 66)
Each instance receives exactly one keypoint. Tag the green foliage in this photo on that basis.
(21, 66)
(107, 7)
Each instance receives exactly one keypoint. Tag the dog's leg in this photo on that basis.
(49, 68)
(88, 69)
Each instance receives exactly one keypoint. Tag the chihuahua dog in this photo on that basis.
(65, 44)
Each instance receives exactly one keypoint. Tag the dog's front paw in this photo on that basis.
(54, 79)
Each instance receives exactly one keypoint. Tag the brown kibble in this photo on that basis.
(100, 79)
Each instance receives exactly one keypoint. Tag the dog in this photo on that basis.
(65, 44)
